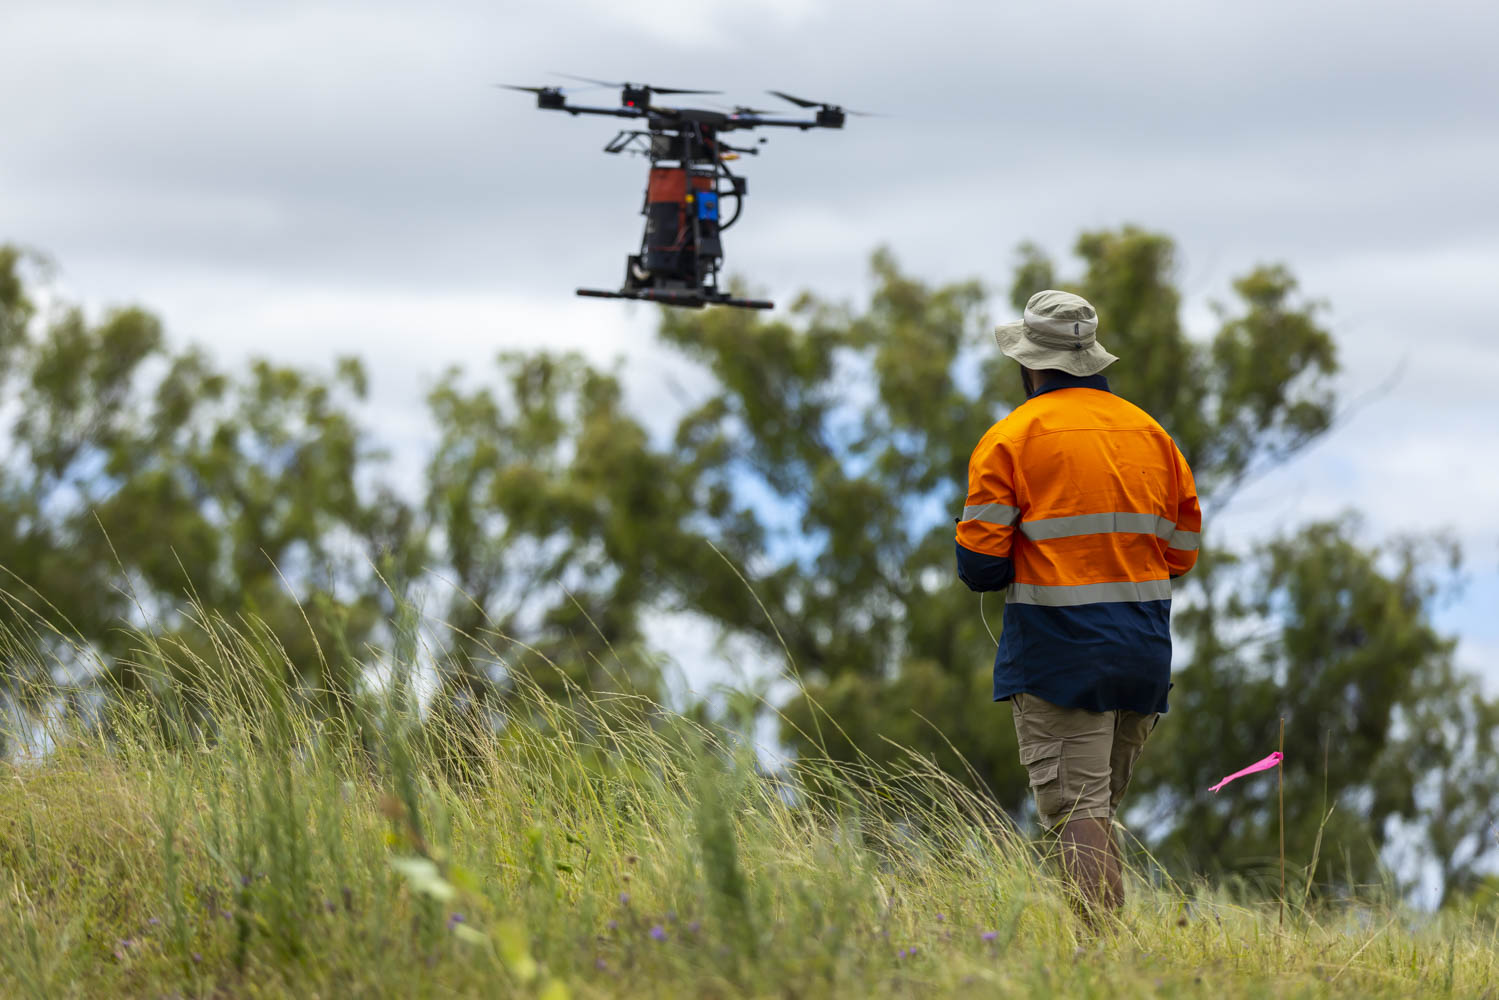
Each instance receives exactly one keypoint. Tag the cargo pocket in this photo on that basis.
(1043, 761)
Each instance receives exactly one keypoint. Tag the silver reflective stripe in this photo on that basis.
(1186, 541)
(1089, 593)
(1096, 524)
(991, 513)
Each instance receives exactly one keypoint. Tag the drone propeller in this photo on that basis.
(643, 86)
(740, 109)
(804, 103)
(544, 90)
(799, 101)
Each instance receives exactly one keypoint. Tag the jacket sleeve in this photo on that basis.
(986, 530)
(1181, 546)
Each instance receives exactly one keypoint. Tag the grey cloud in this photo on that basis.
(364, 141)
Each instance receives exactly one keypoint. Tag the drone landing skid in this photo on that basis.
(686, 298)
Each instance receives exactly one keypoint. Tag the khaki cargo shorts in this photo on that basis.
(1080, 762)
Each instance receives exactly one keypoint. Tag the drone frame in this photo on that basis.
(689, 178)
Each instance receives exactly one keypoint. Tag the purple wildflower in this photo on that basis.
(600, 964)
(613, 925)
(624, 899)
(153, 922)
(990, 935)
(454, 919)
(695, 926)
(941, 918)
(658, 933)
(197, 958)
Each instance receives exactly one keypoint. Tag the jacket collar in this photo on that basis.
(1062, 380)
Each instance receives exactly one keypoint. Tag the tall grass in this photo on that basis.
(213, 835)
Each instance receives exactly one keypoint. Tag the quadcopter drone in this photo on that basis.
(681, 251)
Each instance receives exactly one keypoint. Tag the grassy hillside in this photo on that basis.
(595, 848)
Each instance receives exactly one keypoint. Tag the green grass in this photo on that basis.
(588, 848)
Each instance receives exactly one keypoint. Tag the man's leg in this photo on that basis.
(1067, 754)
(1115, 878)
(1131, 729)
(1091, 862)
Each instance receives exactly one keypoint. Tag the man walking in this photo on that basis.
(1082, 506)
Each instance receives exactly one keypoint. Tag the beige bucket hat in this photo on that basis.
(1060, 331)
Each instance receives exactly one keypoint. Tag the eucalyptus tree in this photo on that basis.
(143, 487)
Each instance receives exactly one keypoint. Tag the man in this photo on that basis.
(1082, 506)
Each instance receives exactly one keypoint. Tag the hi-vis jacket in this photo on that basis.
(1083, 507)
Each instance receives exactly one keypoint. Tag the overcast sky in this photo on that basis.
(303, 180)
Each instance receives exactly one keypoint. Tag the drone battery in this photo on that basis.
(668, 234)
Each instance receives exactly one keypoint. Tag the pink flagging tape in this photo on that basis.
(1259, 765)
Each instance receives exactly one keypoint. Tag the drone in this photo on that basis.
(681, 251)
